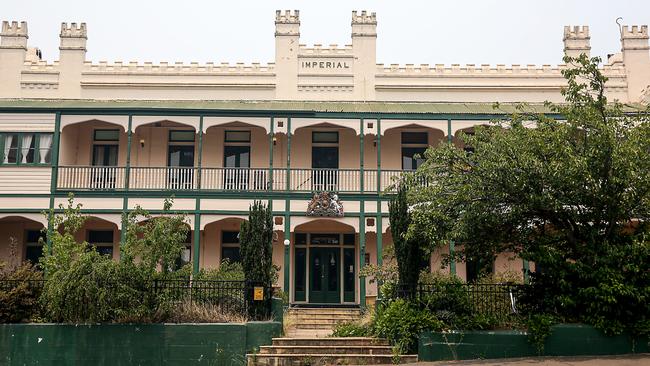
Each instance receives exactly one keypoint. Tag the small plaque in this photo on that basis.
(258, 293)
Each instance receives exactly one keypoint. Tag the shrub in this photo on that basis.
(226, 272)
(19, 292)
(402, 322)
(351, 329)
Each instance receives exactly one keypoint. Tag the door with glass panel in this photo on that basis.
(325, 161)
(236, 161)
(180, 162)
(104, 163)
(325, 284)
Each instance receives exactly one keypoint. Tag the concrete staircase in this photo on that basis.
(327, 351)
(317, 322)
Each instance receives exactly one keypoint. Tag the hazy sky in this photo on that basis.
(479, 31)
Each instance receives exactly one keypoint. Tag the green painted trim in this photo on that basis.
(19, 149)
(271, 146)
(196, 252)
(54, 177)
(362, 254)
(214, 194)
(449, 136)
(452, 264)
(361, 156)
(127, 180)
(526, 269)
(200, 157)
(192, 212)
(287, 218)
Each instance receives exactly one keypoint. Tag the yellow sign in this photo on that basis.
(258, 293)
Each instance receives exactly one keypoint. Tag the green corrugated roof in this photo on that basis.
(290, 106)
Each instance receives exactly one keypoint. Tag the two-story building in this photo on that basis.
(324, 120)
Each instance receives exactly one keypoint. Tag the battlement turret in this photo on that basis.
(287, 23)
(14, 35)
(634, 37)
(364, 24)
(288, 17)
(73, 37)
(576, 41)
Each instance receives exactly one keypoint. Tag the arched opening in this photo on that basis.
(92, 155)
(164, 155)
(325, 157)
(235, 157)
(20, 240)
(325, 262)
(102, 233)
(220, 242)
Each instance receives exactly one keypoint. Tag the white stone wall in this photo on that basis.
(300, 72)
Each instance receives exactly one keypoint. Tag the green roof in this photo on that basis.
(304, 107)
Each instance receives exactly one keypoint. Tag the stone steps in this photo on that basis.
(318, 322)
(327, 351)
(334, 350)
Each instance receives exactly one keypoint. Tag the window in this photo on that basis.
(238, 136)
(477, 268)
(107, 135)
(325, 137)
(414, 144)
(102, 240)
(25, 148)
(33, 245)
(181, 136)
(301, 238)
(348, 239)
(332, 239)
(230, 246)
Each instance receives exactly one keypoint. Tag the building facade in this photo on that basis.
(321, 133)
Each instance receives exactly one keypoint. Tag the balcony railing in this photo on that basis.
(92, 178)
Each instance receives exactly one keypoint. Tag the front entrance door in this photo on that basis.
(324, 275)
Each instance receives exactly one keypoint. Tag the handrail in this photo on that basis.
(112, 178)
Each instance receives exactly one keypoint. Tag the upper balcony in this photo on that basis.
(240, 155)
(93, 178)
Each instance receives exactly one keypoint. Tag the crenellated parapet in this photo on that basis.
(73, 36)
(330, 50)
(178, 67)
(481, 70)
(14, 35)
(287, 23)
(364, 17)
(576, 41)
(287, 17)
(634, 37)
(364, 24)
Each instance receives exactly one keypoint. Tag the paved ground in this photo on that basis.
(626, 360)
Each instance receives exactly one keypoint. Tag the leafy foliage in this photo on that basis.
(84, 286)
(256, 238)
(408, 251)
(401, 322)
(573, 196)
(19, 301)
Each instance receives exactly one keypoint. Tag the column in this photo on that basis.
(287, 216)
(127, 178)
(362, 224)
(452, 245)
(54, 178)
(196, 253)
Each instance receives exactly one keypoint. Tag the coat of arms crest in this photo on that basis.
(325, 204)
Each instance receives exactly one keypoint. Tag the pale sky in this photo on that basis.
(433, 32)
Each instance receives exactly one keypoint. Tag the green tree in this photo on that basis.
(256, 239)
(572, 195)
(409, 252)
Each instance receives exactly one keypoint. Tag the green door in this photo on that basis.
(324, 275)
